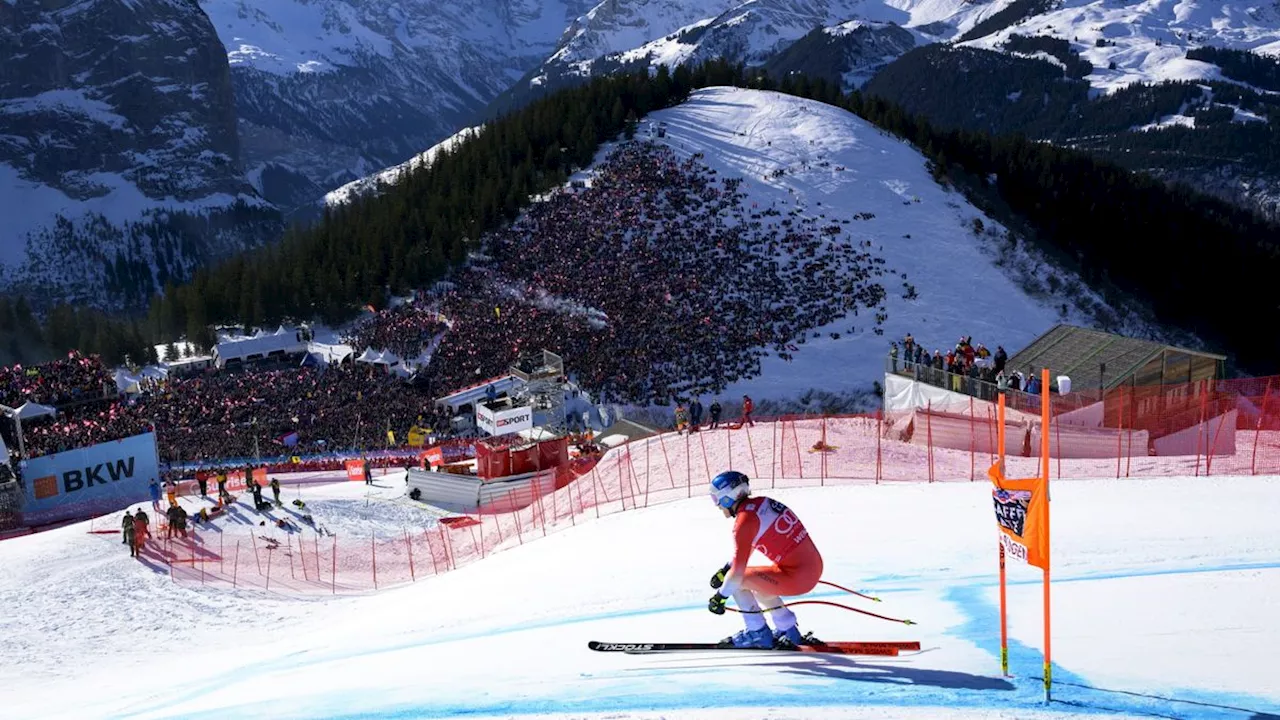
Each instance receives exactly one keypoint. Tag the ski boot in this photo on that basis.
(787, 639)
(792, 639)
(762, 638)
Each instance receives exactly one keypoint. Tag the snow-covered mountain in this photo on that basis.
(118, 150)
(330, 90)
(1147, 41)
(370, 184)
(629, 33)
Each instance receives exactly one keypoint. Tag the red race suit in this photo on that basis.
(767, 526)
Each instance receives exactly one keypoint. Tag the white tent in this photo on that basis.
(378, 357)
(31, 411)
(330, 352)
(283, 341)
(26, 411)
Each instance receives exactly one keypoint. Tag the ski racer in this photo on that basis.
(767, 526)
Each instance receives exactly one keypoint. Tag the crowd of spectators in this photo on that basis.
(224, 414)
(657, 280)
(406, 330)
(72, 379)
(966, 368)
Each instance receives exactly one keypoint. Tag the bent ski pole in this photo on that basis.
(821, 602)
(851, 592)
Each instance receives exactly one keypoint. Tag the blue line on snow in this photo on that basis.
(817, 682)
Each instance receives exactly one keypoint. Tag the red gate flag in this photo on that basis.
(1022, 514)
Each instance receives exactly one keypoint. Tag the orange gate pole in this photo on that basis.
(1044, 473)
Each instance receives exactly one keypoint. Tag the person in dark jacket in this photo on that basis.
(715, 414)
(126, 527)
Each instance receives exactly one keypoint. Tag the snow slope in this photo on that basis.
(812, 161)
(1148, 40)
(965, 285)
(1165, 593)
(392, 175)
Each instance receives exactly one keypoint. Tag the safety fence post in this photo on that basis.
(706, 464)
(973, 440)
(373, 543)
(512, 503)
(1253, 463)
(822, 456)
(928, 421)
(255, 551)
(671, 475)
(435, 564)
(773, 450)
(1200, 432)
(728, 439)
(879, 432)
(648, 469)
(1120, 431)
(413, 575)
(449, 560)
(1133, 421)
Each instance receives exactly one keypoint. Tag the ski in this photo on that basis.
(834, 648)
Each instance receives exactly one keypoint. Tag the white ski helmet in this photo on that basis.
(728, 487)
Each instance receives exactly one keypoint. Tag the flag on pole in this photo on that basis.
(1022, 514)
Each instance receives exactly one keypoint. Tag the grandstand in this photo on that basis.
(1097, 360)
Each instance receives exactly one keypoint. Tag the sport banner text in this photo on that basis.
(86, 481)
(1022, 514)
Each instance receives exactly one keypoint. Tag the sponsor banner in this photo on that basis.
(1022, 515)
(355, 469)
(434, 457)
(96, 479)
(235, 482)
(504, 422)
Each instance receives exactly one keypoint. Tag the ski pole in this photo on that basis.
(851, 592)
(821, 602)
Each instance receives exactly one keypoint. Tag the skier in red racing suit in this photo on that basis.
(769, 527)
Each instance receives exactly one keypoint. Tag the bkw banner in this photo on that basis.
(87, 481)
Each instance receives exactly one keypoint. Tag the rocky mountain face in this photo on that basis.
(328, 91)
(118, 149)
(1186, 92)
(1069, 71)
(859, 36)
(848, 54)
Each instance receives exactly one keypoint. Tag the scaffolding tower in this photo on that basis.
(543, 389)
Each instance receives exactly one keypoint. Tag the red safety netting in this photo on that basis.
(1201, 429)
